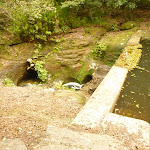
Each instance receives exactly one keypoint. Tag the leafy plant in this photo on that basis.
(114, 27)
(58, 85)
(84, 21)
(41, 71)
(56, 49)
(87, 30)
(65, 28)
(98, 50)
(37, 50)
(32, 19)
(8, 82)
(74, 3)
(36, 65)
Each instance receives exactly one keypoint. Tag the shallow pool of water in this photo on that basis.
(134, 100)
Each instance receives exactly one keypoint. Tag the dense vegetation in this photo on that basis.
(38, 19)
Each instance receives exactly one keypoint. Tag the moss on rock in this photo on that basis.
(128, 25)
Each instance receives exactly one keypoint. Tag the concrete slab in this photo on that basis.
(12, 144)
(66, 139)
(135, 39)
(133, 132)
(103, 99)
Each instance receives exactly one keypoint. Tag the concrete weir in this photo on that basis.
(97, 113)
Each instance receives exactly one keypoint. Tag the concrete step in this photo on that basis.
(12, 144)
(66, 139)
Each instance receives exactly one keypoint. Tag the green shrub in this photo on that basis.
(99, 50)
(65, 28)
(41, 71)
(56, 49)
(32, 19)
(87, 30)
(38, 66)
(75, 22)
(111, 27)
(8, 82)
(84, 21)
(37, 50)
(58, 85)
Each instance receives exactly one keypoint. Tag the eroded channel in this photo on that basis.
(134, 99)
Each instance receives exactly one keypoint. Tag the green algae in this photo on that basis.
(115, 42)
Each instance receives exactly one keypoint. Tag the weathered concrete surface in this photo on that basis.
(135, 39)
(12, 144)
(134, 132)
(103, 99)
(72, 140)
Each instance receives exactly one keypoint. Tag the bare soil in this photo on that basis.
(25, 112)
(41, 119)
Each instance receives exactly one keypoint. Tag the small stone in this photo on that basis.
(49, 90)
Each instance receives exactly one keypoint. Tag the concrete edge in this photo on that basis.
(103, 99)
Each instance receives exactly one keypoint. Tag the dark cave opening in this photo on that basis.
(87, 79)
(31, 76)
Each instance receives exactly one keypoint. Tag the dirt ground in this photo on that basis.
(25, 112)
(30, 113)
(35, 117)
